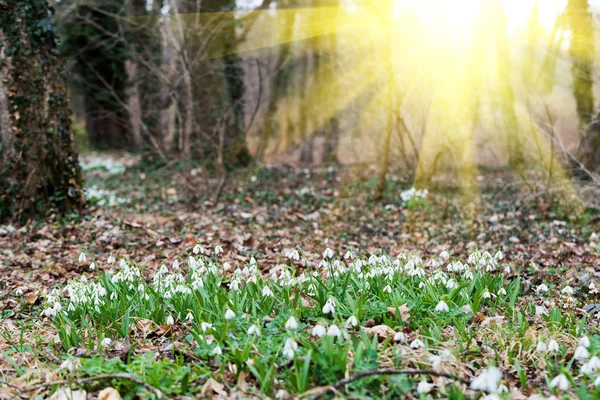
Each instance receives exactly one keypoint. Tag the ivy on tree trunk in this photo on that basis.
(39, 169)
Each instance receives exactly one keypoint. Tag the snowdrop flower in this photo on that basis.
(198, 249)
(488, 380)
(581, 353)
(319, 331)
(226, 266)
(267, 292)
(19, 292)
(252, 261)
(170, 320)
(68, 365)
(542, 288)
(189, 317)
(217, 351)
(597, 382)
(82, 257)
(553, 346)
(499, 256)
(584, 341)
(399, 337)
(218, 250)
(541, 310)
(486, 294)
(229, 315)
(328, 253)
(294, 255)
(502, 292)
(92, 266)
(291, 323)
(111, 259)
(442, 307)
(388, 289)
(591, 366)
(348, 255)
(205, 326)
(541, 347)
(567, 290)
(176, 264)
(444, 255)
(290, 347)
(106, 342)
(333, 330)
(415, 344)
(561, 382)
(592, 286)
(329, 307)
(352, 321)
(424, 387)
(254, 330)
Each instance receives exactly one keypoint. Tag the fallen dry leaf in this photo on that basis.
(109, 394)
(212, 387)
(403, 312)
(383, 332)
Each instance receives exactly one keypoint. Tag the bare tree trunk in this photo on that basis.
(582, 53)
(40, 172)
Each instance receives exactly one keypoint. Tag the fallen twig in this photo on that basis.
(385, 371)
(128, 377)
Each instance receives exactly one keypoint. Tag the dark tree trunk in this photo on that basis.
(40, 172)
(95, 37)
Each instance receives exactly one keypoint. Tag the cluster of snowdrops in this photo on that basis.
(297, 314)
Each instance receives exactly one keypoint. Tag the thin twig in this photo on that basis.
(128, 377)
(387, 371)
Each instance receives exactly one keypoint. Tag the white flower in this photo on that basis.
(584, 341)
(597, 382)
(254, 330)
(541, 310)
(291, 323)
(170, 320)
(19, 292)
(294, 255)
(542, 288)
(415, 344)
(82, 257)
(424, 387)
(198, 249)
(205, 326)
(319, 331)
(561, 381)
(217, 351)
(581, 353)
(499, 256)
(592, 286)
(218, 250)
(486, 294)
(388, 289)
(267, 292)
(541, 347)
(488, 380)
(290, 347)
(189, 317)
(591, 366)
(329, 307)
(502, 292)
(106, 342)
(229, 315)
(348, 255)
(252, 261)
(399, 337)
(68, 365)
(553, 346)
(567, 290)
(111, 259)
(352, 321)
(328, 253)
(226, 266)
(442, 307)
(333, 330)
(444, 255)
(176, 264)
(92, 266)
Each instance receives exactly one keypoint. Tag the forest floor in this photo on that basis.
(489, 296)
